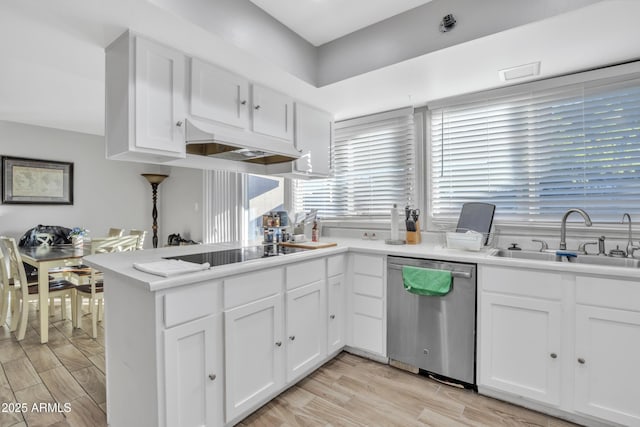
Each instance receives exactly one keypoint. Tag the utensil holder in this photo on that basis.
(413, 237)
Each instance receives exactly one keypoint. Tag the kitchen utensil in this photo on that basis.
(411, 225)
(415, 214)
(407, 213)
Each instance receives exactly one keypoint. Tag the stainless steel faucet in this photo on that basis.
(563, 226)
(630, 248)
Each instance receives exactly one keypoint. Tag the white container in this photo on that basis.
(395, 226)
(469, 241)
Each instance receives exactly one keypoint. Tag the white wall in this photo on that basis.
(107, 193)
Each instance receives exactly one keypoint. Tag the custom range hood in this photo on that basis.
(236, 145)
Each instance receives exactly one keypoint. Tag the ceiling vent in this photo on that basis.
(520, 72)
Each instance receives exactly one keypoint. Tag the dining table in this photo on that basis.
(45, 258)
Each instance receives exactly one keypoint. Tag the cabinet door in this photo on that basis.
(272, 113)
(313, 138)
(193, 373)
(520, 346)
(606, 364)
(306, 328)
(218, 95)
(253, 354)
(336, 312)
(159, 98)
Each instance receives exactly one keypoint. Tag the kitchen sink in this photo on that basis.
(606, 260)
(579, 259)
(532, 255)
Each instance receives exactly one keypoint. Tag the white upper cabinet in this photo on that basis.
(144, 100)
(313, 136)
(218, 95)
(272, 113)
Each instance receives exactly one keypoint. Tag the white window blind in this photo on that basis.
(373, 161)
(538, 153)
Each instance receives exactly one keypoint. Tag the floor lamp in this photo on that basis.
(155, 180)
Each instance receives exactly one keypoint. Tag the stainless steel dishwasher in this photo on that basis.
(434, 334)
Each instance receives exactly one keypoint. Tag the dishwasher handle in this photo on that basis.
(454, 273)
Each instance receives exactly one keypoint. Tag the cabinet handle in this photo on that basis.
(581, 360)
(333, 316)
(212, 377)
(179, 123)
(553, 356)
(292, 337)
(257, 107)
(278, 343)
(244, 102)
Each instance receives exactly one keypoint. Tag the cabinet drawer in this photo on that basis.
(185, 304)
(604, 292)
(304, 273)
(368, 306)
(368, 285)
(368, 264)
(335, 265)
(518, 281)
(250, 287)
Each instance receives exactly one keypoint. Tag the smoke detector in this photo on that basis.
(447, 23)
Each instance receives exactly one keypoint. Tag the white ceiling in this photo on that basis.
(52, 71)
(321, 21)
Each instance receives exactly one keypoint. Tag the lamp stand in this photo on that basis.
(154, 180)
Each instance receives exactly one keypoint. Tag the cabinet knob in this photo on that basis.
(257, 107)
(179, 123)
(243, 102)
(292, 337)
(553, 356)
(212, 377)
(581, 361)
(278, 343)
(333, 316)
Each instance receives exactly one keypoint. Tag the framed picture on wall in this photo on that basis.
(33, 181)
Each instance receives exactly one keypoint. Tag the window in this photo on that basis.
(535, 154)
(263, 194)
(373, 160)
(235, 203)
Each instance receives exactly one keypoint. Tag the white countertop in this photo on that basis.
(122, 263)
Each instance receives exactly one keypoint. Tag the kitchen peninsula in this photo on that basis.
(209, 348)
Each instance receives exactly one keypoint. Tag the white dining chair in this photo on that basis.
(7, 289)
(94, 289)
(25, 292)
(141, 236)
(115, 232)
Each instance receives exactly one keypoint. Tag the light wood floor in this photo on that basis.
(69, 369)
(346, 391)
(352, 391)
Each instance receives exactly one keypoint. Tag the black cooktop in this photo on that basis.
(231, 256)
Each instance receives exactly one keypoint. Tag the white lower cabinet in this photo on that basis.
(306, 328)
(194, 375)
(254, 354)
(529, 347)
(367, 309)
(521, 346)
(607, 349)
(606, 364)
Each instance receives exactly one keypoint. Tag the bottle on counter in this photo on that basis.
(315, 231)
